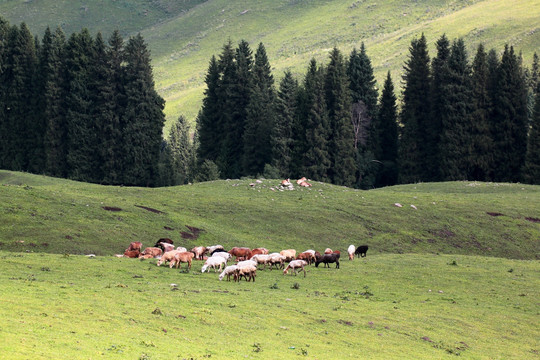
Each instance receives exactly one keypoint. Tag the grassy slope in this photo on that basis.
(182, 42)
(380, 307)
(61, 216)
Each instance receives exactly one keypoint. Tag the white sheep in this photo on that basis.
(261, 259)
(229, 271)
(296, 265)
(351, 250)
(275, 259)
(181, 249)
(214, 262)
(246, 263)
(222, 254)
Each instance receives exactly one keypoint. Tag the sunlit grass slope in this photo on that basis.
(42, 214)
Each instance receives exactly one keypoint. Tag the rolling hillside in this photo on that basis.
(42, 214)
(184, 35)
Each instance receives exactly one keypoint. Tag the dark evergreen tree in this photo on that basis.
(165, 165)
(439, 101)
(312, 147)
(209, 121)
(414, 112)
(143, 118)
(387, 133)
(54, 111)
(82, 139)
(481, 140)
(260, 116)
(510, 119)
(181, 151)
(531, 171)
(236, 88)
(4, 32)
(19, 132)
(364, 115)
(535, 74)
(341, 141)
(282, 133)
(109, 105)
(455, 148)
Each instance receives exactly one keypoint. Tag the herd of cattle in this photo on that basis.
(247, 260)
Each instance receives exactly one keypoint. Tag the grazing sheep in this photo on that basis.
(222, 254)
(199, 252)
(168, 256)
(249, 271)
(214, 262)
(296, 265)
(307, 257)
(240, 252)
(361, 250)
(228, 271)
(261, 259)
(165, 247)
(289, 254)
(327, 259)
(245, 263)
(328, 251)
(135, 245)
(181, 249)
(351, 250)
(276, 259)
(182, 257)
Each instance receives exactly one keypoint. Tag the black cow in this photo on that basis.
(361, 251)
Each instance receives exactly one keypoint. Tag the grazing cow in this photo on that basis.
(289, 254)
(296, 265)
(182, 257)
(151, 252)
(164, 240)
(361, 250)
(240, 252)
(350, 251)
(308, 257)
(199, 252)
(327, 259)
(132, 253)
(135, 245)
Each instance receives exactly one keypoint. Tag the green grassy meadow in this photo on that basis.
(183, 35)
(385, 306)
(445, 280)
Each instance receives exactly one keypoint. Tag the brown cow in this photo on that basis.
(240, 252)
(151, 252)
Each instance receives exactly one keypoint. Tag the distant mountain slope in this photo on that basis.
(183, 35)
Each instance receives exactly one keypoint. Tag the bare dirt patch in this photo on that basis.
(531, 219)
(168, 228)
(494, 213)
(111, 208)
(192, 234)
(155, 211)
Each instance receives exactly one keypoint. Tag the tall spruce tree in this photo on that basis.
(439, 101)
(531, 171)
(55, 111)
(82, 139)
(364, 96)
(260, 116)
(481, 140)
(456, 142)
(20, 65)
(210, 128)
(312, 146)
(387, 133)
(4, 30)
(338, 99)
(144, 117)
(236, 88)
(510, 119)
(414, 113)
(181, 151)
(282, 133)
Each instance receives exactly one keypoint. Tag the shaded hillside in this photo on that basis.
(44, 214)
(184, 35)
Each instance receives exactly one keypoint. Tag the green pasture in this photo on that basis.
(387, 306)
(183, 35)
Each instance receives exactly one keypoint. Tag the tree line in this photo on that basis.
(79, 107)
(86, 109)
(457, 120)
